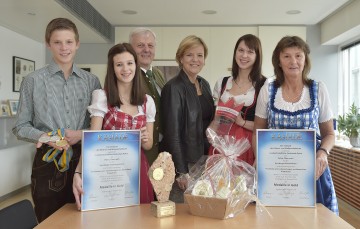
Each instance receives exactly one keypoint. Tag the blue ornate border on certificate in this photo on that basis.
(111, 169)
(286, 167)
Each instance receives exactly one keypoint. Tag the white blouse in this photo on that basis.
(247, 98)
(99, 106)
(304, 102)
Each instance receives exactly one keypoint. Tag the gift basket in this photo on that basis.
(221, 186)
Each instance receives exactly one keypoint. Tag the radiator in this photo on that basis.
(345, 170)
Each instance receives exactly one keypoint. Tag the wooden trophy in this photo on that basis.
(162, 177)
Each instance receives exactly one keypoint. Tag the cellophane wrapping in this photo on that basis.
(221, 186)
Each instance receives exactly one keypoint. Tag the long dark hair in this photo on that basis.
(111, 89)
(288, 42)
(253, 43)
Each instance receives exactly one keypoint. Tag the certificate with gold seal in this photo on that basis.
(110, 169)
(286, 162)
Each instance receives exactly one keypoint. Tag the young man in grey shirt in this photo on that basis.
(52, 114)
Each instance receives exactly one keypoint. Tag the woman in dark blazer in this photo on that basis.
(187, 109)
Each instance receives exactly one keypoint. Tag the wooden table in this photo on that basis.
(140, 217)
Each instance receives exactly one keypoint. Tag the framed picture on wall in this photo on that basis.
(86, 69)
(21, 67)
(13, 104)
(168, 67)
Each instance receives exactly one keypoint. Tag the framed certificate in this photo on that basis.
(110, 169)
(286, 167)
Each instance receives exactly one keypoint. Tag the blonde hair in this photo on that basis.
(187, 43)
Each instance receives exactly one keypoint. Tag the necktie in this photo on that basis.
(156, 97)
(153, 84)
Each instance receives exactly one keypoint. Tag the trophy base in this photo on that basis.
(163, 209)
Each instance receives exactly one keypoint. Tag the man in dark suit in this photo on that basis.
(143, 40)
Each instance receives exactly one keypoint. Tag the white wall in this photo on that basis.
(16, 157)
(16, 167)
(324, 64)
(14, 44)
(270, 36)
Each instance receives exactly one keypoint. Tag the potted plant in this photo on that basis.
(349, 125)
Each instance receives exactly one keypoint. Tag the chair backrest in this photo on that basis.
(20, 215)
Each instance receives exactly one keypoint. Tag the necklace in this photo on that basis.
(237, 84)
(295, 98)
(241, 89)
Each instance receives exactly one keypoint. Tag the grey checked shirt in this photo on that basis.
(48, 101)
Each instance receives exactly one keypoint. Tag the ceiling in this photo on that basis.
(30, 17)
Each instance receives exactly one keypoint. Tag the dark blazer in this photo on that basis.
(181, 118)
(152, 154)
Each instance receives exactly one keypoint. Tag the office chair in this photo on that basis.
(20, 215)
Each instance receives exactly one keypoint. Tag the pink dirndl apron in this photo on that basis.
(117, 120)
(225, 117)
(229, 127)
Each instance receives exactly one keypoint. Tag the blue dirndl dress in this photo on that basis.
(305, 119)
